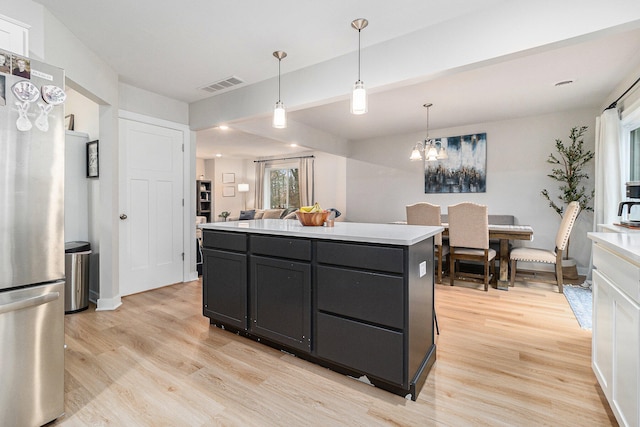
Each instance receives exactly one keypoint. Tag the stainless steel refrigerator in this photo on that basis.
(31, 243)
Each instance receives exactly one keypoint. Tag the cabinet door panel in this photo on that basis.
(225, 287)
(368, 349)
(281, 301)
(602, 340)
(626, 359)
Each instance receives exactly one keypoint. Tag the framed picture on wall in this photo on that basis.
(464, 170)
(229, 191)
(93, 162)
(228, 178)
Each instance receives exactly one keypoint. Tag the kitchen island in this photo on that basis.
(356, 298)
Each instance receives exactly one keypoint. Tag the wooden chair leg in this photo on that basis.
(513, 272)
(494, 277)
(435, 319)
(452, 264)
(559, 277)
(486, 271)
(439, 266)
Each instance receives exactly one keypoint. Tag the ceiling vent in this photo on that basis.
(221, 85)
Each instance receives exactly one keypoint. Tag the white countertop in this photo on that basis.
(616, 228)
(625, 244)
(390, 234)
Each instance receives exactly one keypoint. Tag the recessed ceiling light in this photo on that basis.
(564, 82)
(218, 155)
(223, 127)
(293, 145)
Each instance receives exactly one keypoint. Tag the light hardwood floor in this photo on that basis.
(514, 358)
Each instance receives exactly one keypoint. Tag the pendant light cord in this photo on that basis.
(427, 140)
(359, 55)
(279, 61)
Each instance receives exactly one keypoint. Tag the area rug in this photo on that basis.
(579, 299)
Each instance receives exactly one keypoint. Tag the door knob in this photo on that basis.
(123, 216)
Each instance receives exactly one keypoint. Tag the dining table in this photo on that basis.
(503, 233)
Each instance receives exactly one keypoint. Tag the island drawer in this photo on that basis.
(372, 297)
(224, 240)
(281, 247)
(381, 258)
(364, 348)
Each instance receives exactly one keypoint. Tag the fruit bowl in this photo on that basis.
(312, 218)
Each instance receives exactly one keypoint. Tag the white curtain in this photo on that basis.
(610, 172)
(610, 168)
(306, 184)
(259, 196)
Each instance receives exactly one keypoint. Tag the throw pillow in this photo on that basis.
(247, 214)
(287, 211)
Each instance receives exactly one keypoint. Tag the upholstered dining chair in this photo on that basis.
(546, 256)
(469, 241)
(423, 213)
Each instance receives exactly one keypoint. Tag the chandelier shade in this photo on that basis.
(428, 150)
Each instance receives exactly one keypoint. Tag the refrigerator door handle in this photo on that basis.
(29, 302)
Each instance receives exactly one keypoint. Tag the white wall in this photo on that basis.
(200, 171)
(85, 112)
(151, 104)
(381, 180)
(76, 187)
(330, 183)
(231, 204)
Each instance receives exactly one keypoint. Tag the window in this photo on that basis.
(635, 155)
(281, 186)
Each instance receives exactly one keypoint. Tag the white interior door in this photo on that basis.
(151, 240)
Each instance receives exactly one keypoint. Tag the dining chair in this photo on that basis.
(546, 256)
(423, 213)
(469, 241)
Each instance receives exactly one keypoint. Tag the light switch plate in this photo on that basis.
(423, 268)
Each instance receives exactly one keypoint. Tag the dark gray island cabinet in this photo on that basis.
(356, 298)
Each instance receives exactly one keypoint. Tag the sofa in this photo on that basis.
(264, 214)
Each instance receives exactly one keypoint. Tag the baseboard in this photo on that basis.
(94, 297)
(106, 304)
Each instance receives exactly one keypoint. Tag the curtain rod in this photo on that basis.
(285, 158)
(615, 103)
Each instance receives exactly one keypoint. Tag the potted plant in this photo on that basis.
(568, 170)
(224, 215)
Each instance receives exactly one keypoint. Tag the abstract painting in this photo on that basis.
(465, 169)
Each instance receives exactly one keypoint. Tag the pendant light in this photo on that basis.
(279, 112)
(359, 94)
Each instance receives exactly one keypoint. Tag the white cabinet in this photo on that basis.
(14, 36)
(616, 332)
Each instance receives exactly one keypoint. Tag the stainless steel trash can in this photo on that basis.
(76, 269)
